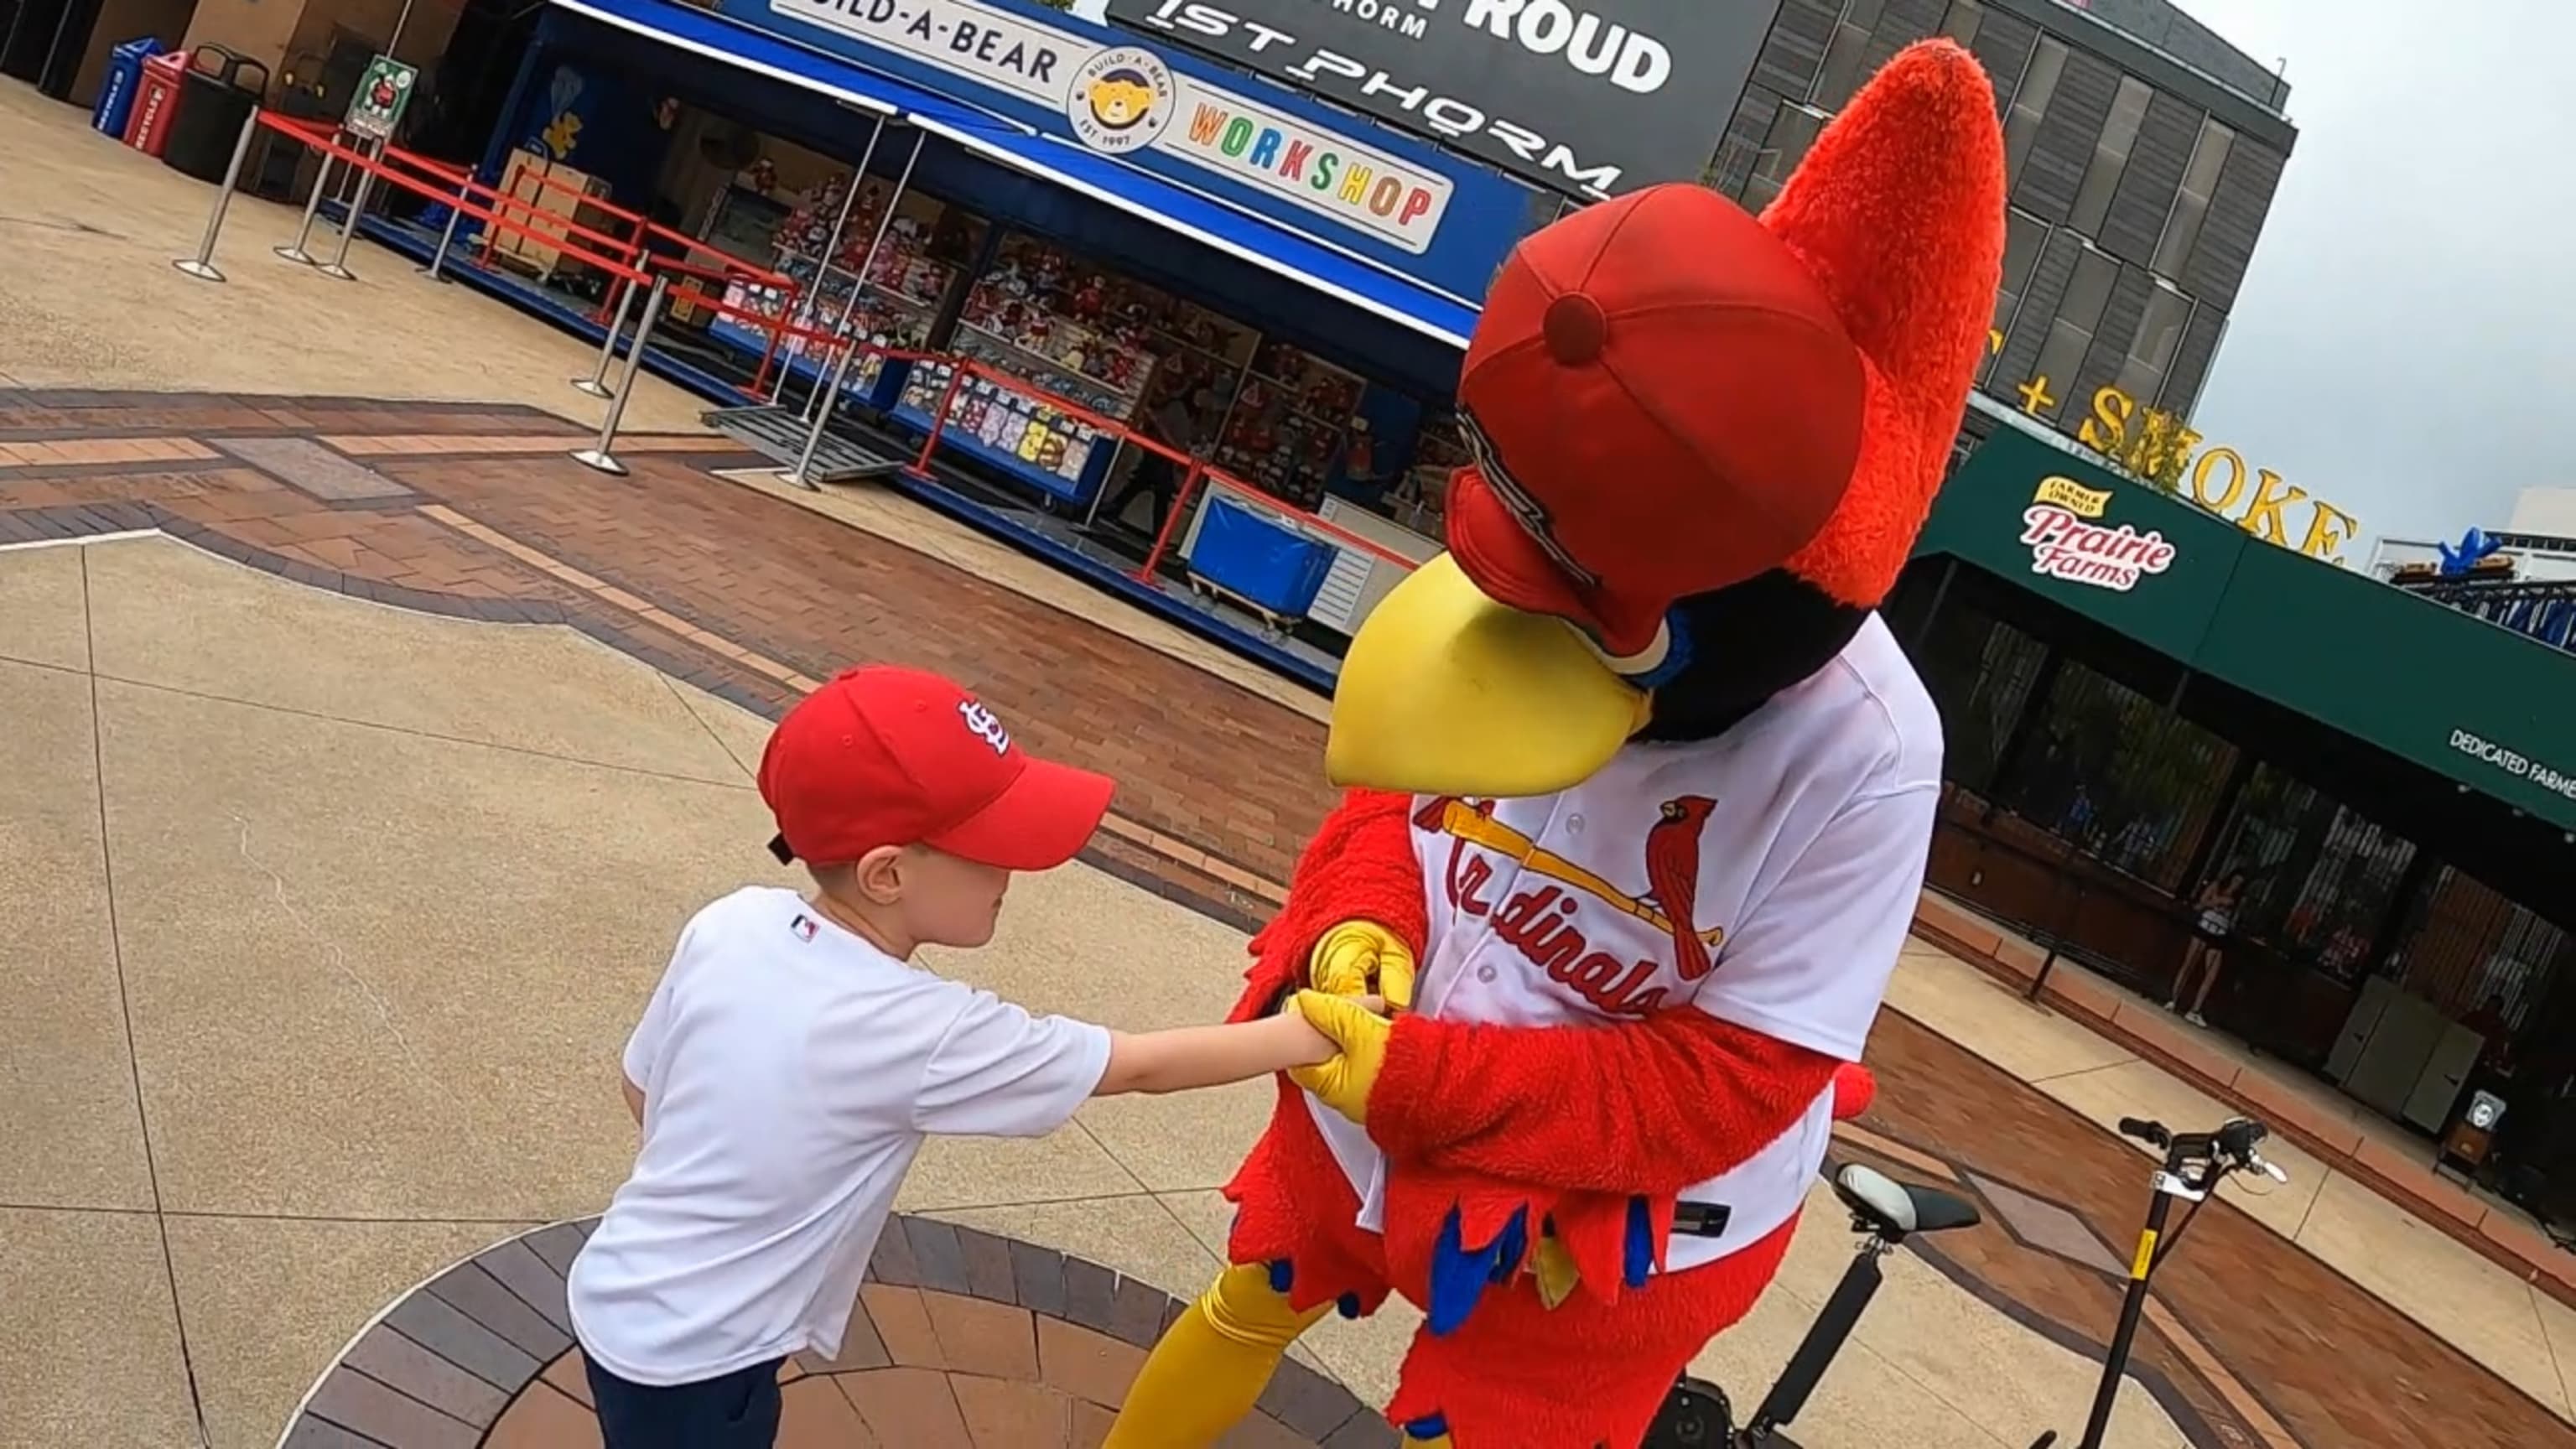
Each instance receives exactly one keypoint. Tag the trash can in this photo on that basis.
(156, 102)
(214, 101)
(116, 92)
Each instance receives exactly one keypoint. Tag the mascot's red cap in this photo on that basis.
(1668, 397)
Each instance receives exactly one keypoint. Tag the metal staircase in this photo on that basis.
(779, 433)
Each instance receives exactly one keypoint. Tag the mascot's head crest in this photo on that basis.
(1669, 399)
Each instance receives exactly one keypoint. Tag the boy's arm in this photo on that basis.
(1210, 1056)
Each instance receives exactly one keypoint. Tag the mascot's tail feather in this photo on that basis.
(1898, 212)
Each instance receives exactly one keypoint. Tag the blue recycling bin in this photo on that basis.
(124, 77)
(1253, 558)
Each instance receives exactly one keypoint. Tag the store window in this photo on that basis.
(2024, 236)
(2117, 775)
(1846, 54)
(1979, 671)
(2030, 103)
(2191, 202)
(2110, 156)
(2151, 355)
(2320, 878)
(2070, 334)
(1793, 130)
(2468, 949)
(1960, 24)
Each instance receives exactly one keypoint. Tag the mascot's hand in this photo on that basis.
(1362, 958)
(1343, 1083)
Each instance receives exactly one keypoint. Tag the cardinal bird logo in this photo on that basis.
(1672, 878)
(1672, 869)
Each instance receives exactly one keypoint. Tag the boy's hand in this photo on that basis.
(1357, 958)
(1352, 1024)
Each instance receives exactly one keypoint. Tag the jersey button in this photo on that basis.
(1574, 825)
(1485, 973)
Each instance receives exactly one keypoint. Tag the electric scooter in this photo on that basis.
(1697, 1414)
(2195, 1163)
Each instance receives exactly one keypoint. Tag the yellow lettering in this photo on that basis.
(1355, 183)
(2263, 516)
(2323, 537)
(2235, 479)
(2034, 396)
(1994, 341)
(2112, 409)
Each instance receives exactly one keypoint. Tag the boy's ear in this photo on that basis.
(878, 875)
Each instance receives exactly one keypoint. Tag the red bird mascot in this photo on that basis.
(1643, 789)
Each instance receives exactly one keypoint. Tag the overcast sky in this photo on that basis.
(2403, 343)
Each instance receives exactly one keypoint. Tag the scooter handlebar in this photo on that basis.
(2151, 1133)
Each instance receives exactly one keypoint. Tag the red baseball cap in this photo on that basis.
(1662, 402)
(884, 756)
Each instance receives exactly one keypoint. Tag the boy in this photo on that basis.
(793, 1057)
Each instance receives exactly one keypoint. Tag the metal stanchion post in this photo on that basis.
(597, 383)
(802, 474)
(603, 457)
(338, 266)
(295, 252)
(202, 265)
(447, 235)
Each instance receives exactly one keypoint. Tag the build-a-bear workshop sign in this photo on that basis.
(2257, 500)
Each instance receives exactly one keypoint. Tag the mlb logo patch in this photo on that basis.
(804, 927)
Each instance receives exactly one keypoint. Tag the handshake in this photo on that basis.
(1357, 977)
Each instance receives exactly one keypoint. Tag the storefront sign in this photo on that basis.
(2061, 528)
(383, 93)
(2254, 499)
(1123, 100)
(2512, 762)
(1588, 97)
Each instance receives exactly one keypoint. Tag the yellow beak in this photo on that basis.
(1446, 692)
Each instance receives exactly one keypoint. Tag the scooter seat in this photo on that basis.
(1896, 1209)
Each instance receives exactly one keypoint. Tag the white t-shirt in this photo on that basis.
(1802, 833)
(790, 1071)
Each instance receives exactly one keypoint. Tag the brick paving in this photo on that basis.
(471, 511)
(958, 1340)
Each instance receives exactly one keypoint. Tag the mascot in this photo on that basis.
(1642, 790)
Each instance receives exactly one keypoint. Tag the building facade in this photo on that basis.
(2144, 152)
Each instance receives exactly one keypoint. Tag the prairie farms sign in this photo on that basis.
(2067, 540)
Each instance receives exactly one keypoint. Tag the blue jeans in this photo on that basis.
(737, 1411)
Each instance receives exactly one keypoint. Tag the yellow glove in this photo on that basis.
(1343, 1083)
(1362, 958)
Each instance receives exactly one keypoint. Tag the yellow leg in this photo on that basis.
(1212, 1364)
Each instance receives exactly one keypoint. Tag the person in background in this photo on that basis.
(1176, 423)
(2214, 920)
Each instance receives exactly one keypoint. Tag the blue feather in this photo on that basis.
(1640, 1245)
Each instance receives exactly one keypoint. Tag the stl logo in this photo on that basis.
(986, 727)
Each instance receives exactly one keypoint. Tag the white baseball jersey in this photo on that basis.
(1767, 877)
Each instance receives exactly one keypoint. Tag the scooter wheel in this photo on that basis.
(1695, 1415)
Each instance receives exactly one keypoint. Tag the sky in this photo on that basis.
(2405, 343)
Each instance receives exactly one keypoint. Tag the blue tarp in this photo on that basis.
(1104, 179)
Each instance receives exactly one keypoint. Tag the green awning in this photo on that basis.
(2480, 704)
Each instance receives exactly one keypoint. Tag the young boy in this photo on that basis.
(793, 1057)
